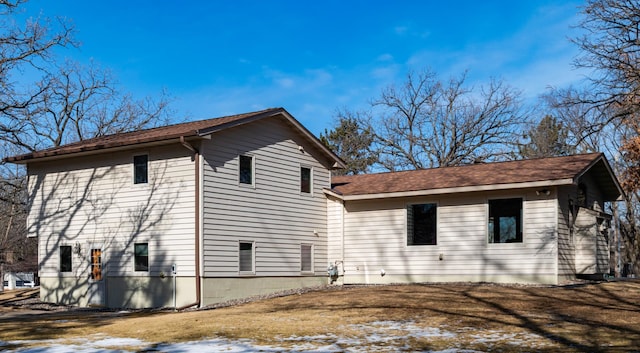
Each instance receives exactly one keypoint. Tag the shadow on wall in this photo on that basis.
(100, 220)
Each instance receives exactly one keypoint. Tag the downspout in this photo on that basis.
(196, 160)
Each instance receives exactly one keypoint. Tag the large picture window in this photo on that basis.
(65, 258)
(246, 257)
(141, 257)
(505, 221)
(140, 169)
(245, 172)
(421, 224)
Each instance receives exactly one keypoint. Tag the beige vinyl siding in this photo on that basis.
(334, 229)
(566, 243)
(375, 239)
(272, 212)
(93, 201)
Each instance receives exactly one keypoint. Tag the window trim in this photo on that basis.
(253, 170)
(148, 270)
(406, 219)
(253, 258)
(70, 271)
(310, 192)
(522, 218)
(311, 259)
(134, 174)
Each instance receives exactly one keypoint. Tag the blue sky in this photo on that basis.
(225, 57)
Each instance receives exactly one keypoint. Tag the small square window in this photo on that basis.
(141, 257)
(305, 180)
(245, 173)
(306, 258)
(140, 169)
(65, 258)
(246, 257)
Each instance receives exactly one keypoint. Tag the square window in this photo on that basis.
(245, 173)
(305, 180)
(246, 257)
(505, 221)
(140, 169)
(306, 258)
(141, 257)
(65, 258)
(421, 224)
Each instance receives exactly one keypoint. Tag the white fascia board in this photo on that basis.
(456, 190)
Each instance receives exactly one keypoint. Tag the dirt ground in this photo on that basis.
(585, 317)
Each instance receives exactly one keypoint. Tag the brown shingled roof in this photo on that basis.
(559, 169)
(170, 132)
(136, 137)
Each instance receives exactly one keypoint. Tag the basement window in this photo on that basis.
(421, 224)
(141, 257)
(65, 258)
(505, 221)
(140, 169)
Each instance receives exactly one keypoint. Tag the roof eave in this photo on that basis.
(85, 151)
(455, 190)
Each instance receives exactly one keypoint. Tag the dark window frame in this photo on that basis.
(141, 258)
(505, 216)
(141, 169)
(422, 224)
(66, 258)
(246, 167)
(306, 180)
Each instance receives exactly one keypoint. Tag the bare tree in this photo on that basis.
(604, 113)
(54, 104)
(429, 123)
(77, 103)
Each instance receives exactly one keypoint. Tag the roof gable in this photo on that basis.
(476, 177)
(172, 133)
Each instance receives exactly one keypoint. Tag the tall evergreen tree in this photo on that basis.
(352, 143)
(548, 139)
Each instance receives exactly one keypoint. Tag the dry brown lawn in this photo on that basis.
(590, 317)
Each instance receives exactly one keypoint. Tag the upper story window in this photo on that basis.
(245, 171)
(582, 195)
(141, 169)
(505, 220)
(422, 224)
(65, 258)
(305, 180)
